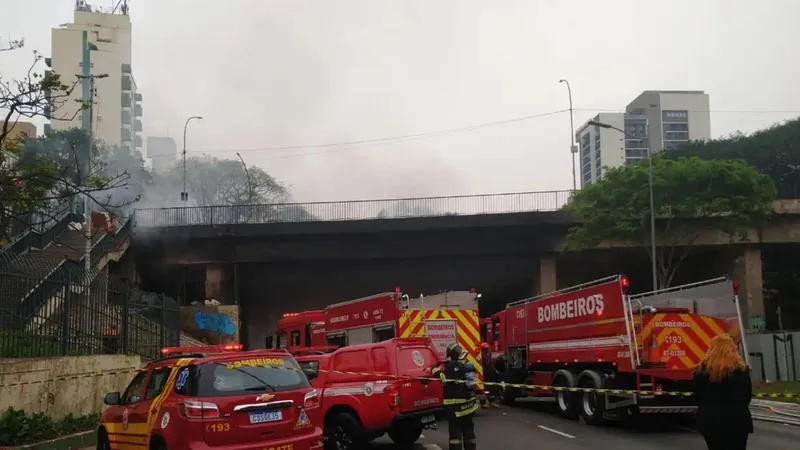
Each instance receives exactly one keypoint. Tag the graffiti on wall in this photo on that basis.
(215, 322)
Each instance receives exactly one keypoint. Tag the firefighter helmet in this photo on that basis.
(454, 351)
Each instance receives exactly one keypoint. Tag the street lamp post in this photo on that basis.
(249, 185)
(572, 147)
(184, 193)
(650, 189)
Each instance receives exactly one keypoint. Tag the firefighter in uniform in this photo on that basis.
(459, 399)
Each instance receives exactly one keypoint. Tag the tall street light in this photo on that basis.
(572, 147)
(650, 188)
(249, 185)
(184, 193)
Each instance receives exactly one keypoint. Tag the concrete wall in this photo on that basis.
(56, 397)
(214, 324)
(780, 362)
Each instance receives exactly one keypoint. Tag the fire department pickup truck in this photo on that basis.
(445, 318)
(372, 389)
(214, 397)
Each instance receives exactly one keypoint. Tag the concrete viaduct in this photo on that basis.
(271, 259)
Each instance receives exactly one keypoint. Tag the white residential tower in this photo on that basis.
(653, 121)
(117, 108)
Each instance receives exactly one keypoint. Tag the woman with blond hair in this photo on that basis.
(723, 390)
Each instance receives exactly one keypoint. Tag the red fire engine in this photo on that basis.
(596, 336)
(301, 330)
(445, 318)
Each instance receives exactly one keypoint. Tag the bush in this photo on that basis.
(18, 428)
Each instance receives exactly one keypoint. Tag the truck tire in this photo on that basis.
(405, 435)
(102, 440)
(567, 403)
(343, 431)
(592, 404)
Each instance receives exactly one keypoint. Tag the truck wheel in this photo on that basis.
(593, 406)
(343, 432)
(405, 435)
(102, 440)
(568, 403)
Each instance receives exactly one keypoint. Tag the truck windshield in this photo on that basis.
(244, 377)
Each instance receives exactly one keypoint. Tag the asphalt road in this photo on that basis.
(533, 425)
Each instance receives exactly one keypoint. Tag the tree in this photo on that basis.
(211, 181)
(691, 196)
(774, 151)
(38, 173)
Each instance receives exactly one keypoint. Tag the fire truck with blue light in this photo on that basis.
(596, 336)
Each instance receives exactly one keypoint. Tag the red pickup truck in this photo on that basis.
(377, 388)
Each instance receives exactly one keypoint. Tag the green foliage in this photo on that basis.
(691, 195)
(212, 181)
(774, 152)
(19, 344)
(19, 428)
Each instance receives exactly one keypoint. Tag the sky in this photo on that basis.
(270, 74)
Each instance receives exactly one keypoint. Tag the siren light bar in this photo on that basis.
(291, 314)
(202, 348)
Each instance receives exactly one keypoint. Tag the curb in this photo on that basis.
(773, 419)
(71, 442)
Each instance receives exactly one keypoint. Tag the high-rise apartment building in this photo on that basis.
(116, 106)
(653, 121)
(162, 152)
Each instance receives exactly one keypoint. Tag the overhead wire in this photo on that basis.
(341, 146)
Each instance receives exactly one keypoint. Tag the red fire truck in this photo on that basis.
(301, 330)
(596, 336)
(444, 318)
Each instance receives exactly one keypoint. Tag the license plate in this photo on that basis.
(265, 416)
(428, 419)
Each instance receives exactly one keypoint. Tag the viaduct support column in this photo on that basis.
(747, 267)
(218, 278)
(547, 275)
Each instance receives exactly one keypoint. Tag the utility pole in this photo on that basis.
(572, 147)
(185, 193)
(87, 116)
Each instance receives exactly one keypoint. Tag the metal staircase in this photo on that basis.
(31, 276)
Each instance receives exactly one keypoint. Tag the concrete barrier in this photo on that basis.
(46, 391)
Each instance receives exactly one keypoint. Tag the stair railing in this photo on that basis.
(68, 272)
(38, 236)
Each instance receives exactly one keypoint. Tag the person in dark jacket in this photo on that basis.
(723, 390)
(459, 399)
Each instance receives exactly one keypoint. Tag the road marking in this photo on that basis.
(432, 447)
(560, 433)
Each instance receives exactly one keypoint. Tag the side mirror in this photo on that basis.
(112, 398)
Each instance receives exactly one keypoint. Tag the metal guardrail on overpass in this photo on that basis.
(463, 205)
